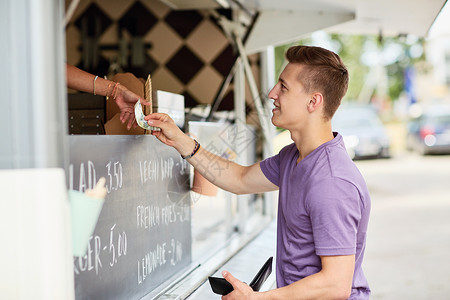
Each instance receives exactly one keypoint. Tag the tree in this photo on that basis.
(362, 53)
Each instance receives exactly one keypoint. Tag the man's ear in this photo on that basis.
(315, 102)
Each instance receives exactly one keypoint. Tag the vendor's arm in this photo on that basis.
(334, 281)
(80, 80)
(225, 174)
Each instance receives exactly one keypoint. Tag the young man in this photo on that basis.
(324, 203)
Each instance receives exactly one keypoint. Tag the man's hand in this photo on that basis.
(241, 290)
(170, 134)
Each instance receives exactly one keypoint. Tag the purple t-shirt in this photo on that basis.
(323, 210)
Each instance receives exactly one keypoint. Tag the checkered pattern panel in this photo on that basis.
(186, 52)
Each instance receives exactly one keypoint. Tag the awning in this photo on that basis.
(282, 21)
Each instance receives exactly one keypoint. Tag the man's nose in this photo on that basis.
(273, 94)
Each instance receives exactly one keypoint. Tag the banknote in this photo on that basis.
(139, 114)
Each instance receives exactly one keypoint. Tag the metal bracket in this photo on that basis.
(233, 31)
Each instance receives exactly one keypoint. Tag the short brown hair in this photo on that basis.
(324, 72)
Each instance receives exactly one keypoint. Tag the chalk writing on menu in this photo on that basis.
(143, 233)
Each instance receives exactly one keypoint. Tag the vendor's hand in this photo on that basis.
(241, 290)
(125, 100)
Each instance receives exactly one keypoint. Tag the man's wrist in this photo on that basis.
(196, 148)
(187, 146)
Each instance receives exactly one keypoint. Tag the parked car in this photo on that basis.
(430, 132)
(364, 134)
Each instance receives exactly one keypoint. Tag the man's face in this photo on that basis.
(290, 98)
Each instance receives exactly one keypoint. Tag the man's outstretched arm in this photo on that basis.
(225, 174)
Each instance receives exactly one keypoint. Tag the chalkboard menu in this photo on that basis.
(143, 235)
